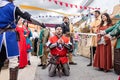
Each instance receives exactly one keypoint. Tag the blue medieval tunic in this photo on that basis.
(8, 38)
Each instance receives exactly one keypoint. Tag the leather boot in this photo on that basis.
(13, 73)
(90, 64)
(92, 52)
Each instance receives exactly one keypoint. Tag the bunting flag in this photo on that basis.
(55, 1)
(98, 8)
(81, 7)
(48, 16)
(76, 6)
(71, 5)
(93, 8)
(51, 16)
(66, 4)
(61, 3)
(85, 7)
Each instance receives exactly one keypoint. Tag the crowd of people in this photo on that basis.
(18, 41)
(9, 37)
(101, 48)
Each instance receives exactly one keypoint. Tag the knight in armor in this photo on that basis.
(59, 46)
(9, 14)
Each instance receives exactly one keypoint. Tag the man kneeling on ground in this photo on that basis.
(59, 46)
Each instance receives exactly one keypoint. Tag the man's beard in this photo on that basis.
(59, 35)
(66, 22)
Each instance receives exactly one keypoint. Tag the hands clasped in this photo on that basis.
(60, 41)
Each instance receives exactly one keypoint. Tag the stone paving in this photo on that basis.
(27, 73)
(78, 72)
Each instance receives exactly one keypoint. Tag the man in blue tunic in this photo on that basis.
(9, 14)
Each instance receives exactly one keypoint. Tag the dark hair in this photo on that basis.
(35, 30)
(58, 25)
(109, 21)
(97, 11)
(43, 25)
(10, 0)
(24, 23)
(65, 18)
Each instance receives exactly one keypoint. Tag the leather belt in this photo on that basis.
(6, 29)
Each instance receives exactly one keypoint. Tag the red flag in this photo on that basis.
(85, 7)
(98, 8)
(61, 3)
(66, 4)
(71, 5)
(55, 1)
(75, 6)
(93, 8)
(80, 7)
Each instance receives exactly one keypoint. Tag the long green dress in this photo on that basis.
(40, 52)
